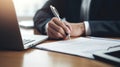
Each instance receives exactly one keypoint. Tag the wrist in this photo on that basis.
(82, 29)
(78, 29)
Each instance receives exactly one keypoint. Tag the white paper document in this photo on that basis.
(84, 47)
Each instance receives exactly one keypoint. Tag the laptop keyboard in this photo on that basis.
(26, 41)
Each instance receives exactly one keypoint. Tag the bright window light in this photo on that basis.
(28, 7)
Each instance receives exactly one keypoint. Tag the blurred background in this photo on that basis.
(25, 9)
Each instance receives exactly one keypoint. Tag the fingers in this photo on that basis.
(57, 29)
(62, 25)
(53, 34)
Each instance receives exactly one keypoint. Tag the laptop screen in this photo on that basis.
(9, 29)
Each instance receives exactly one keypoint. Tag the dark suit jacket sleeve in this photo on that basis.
(105, 28)
(41, 17)
(44, 15)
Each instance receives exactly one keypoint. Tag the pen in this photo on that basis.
(56, 14)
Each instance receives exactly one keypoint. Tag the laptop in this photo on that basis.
(10, 36)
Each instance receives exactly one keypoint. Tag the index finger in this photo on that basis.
(61, 24)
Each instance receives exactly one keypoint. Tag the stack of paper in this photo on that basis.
(84, 47)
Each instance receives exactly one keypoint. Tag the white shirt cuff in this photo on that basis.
(46, 27)
(87, 28)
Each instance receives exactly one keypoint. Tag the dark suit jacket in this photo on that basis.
(104, 15)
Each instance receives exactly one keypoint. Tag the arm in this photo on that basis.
(105, 28)
(97, 28)
(44, 15)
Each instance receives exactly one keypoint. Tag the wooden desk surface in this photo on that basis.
(39, 58)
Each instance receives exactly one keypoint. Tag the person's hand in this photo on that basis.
(78, 29)
(58, 29)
